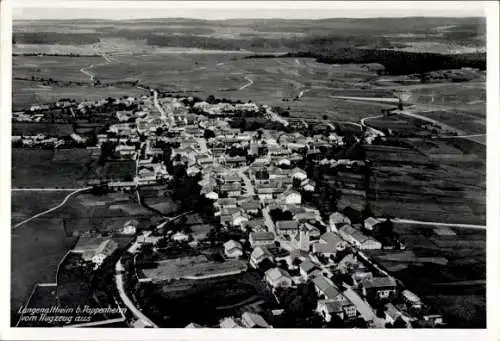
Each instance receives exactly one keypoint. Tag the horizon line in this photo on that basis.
(253, 18)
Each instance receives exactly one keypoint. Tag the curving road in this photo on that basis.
(250, 82)
(53, 208)
(128, 302)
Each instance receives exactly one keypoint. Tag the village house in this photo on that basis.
(278, 278)
(337, 220)
(329, 308)
(231, 189)
(253, 320)
(233, 249)
(392, 314)
(308, 185)
(291, 197)
(314, 232)
(261, 239)
(225, 203)
(130, 227)
(362, 307)
(101, 252)
(250, 206)
(370, 223)
(411, 300)
(358, 239)
(379, 287)
(298, 173)
(289, 227)
(306, 268)
(303, 216)
(230, 322)
(326, 289)
(258, 255)
(236, 161)
(180, 237)
(360, 273)
(329, 244)
(255, 225)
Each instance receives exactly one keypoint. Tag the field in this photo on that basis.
(27, 93)
(37, 247)
(40, 168)
(178, 303)
(191, 267)
(459, 105)
(26, 204)
(57, 68)
(430, 180)
(229, 75)
(456, 287)
(50, 129)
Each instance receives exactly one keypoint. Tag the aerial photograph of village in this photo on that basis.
(247, 171)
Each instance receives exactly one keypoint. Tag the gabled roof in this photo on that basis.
(372, 221)
(226, 201)
(253, 320)
(332, 306)
(262, 236)
(229, 322)
(325, 286)
(229, 210)
(231, 244)
(391, 310)
(339, 218)
(231, 187)
(275, 274)
(287, 225)
(331, 238)
(250, 204)
(260, 252)
(297, 169)
(307, 266)
(323, 248)
(379, 282)
(290, 192)
(361, 306)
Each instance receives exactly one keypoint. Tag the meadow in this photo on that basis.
(456, 287)
(37, 168)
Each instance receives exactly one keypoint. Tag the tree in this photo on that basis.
(325, 117)
(208, 134)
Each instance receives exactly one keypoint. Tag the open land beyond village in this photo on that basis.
(250, 173)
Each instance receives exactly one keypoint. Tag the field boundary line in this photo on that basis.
(53, 208)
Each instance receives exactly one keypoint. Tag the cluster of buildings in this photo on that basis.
(255, 186)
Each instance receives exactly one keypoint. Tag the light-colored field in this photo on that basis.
(228, 74)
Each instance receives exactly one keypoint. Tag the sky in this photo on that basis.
(73, 9)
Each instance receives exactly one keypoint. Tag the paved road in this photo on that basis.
(442, 125)
(85, 72)
(363, 120)
(53, 208)
(268, 221)
(164, 115)
(369, 99)
(169, 219)
(436, 223)
(250, 82)
(130, 305)
(246, 179)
